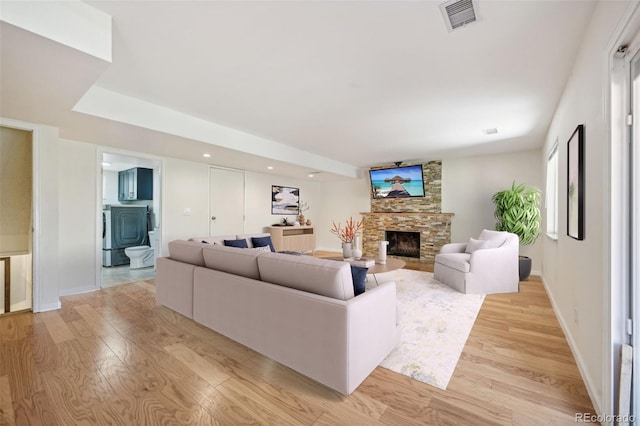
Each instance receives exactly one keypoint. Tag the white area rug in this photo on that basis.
(435, 323)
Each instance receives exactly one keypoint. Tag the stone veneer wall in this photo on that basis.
(434, 228)
(430, 203)
(419, 214)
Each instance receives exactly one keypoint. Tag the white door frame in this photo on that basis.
(36, 304)
(156, 192)
(620, 263)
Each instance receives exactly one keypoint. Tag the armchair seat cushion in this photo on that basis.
(457, 261)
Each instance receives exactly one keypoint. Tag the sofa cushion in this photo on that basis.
(232, 260)
(241, 243)
(359, 276)
(263, 242)
(187, 252)
(248, 237)
(458, 261)
(214, 240)
(319, 276)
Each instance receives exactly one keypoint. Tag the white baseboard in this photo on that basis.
(77, 290)
(586, 377)
(49, 307)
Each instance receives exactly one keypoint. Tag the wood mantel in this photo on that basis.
(408, 213)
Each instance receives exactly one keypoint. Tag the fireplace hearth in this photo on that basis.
(403, 243)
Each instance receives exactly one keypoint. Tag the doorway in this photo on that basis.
(129, 217)
(16, 220)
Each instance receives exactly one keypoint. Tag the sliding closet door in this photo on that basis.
(16, 218)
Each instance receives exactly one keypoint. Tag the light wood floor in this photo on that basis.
(116, 357)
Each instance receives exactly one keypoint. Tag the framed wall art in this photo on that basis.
(575, 184)
(285, 200)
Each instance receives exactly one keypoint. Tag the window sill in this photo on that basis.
(552, 236)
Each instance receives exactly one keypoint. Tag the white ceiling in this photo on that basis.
(339, 85)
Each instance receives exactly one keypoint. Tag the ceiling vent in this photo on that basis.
(458, 13)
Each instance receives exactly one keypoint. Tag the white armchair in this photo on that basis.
(486, 265)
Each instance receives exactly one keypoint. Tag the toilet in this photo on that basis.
(141, 256)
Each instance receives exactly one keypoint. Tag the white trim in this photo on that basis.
(35, 192)
(78, 290)
(582, 366)
(159, 166)
(616, 254)
(49, 307)
(98, 251)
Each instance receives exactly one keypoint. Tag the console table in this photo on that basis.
(293, 238)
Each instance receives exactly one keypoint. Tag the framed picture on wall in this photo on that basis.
(285, 200)
(575, 184)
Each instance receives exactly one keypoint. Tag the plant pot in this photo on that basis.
(524, 264)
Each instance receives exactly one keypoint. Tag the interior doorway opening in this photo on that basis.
(16, 220)
(130, 218)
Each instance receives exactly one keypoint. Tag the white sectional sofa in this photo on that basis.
(297, 310)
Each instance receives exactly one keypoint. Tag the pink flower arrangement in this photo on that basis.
(348, 233)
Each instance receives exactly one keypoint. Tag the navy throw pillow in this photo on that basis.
(262, 242)
(359, 275)
(241, 243)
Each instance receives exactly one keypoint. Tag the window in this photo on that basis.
(551, 198)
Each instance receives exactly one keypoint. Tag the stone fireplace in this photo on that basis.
(403, 243)
(407, 222)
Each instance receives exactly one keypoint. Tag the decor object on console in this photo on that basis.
(347, 234)
(517, 211)
(304, 206)
(484, 266)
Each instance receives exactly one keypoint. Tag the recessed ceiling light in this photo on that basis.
(206, 155)
(270, 167)
(311, 175)
(491, 131)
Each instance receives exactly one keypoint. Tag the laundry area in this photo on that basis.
(130, 231)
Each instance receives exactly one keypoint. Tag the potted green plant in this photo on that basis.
(518, 211)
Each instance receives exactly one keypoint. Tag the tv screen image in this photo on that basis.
(397, 182)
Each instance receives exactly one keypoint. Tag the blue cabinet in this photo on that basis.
(135, 184)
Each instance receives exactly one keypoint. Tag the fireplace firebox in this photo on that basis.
(403, 243)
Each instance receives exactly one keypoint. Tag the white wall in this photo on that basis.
(469, 183)
(46, 252)
(340, 201)
(574, 272)
(258, 199)
(77, 216)
(184, 185)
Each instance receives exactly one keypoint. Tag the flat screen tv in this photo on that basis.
(397, 182)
